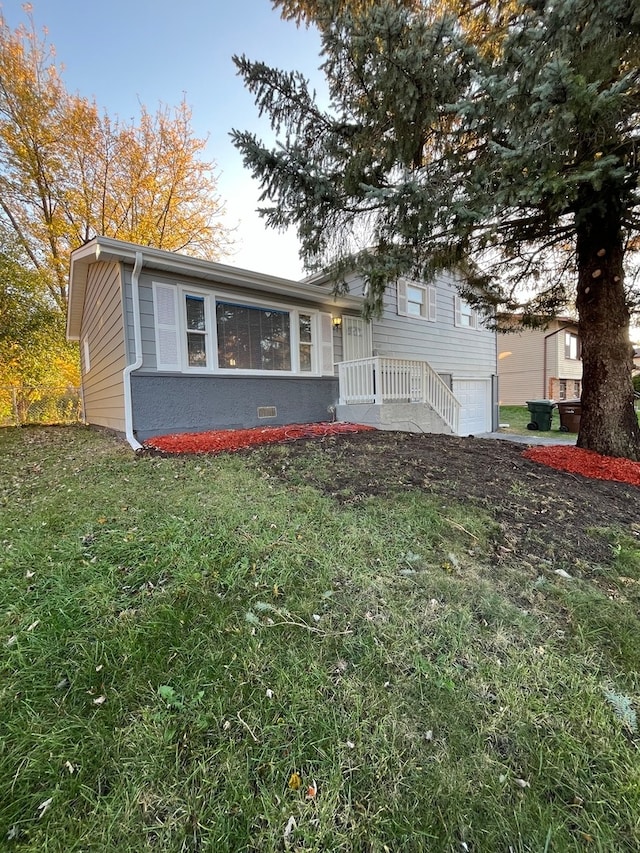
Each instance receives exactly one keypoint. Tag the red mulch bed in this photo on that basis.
(229, 440)
(575, 460)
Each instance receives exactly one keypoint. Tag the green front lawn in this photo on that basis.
(199, 657)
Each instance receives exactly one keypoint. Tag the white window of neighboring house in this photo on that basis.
(465, 316)
(199, 331)
(571, 346)
(416, 300)
(87, 355)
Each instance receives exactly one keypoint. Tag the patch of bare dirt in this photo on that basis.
(541, 513)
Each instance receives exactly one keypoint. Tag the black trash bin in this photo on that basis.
(541, 414)
(570, 412)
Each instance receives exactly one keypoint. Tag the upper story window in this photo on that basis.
(87, 354)
(416, 300)
(197, 332)
(465, 316)
(571, 346)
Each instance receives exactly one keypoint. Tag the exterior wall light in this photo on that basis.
(337, 322)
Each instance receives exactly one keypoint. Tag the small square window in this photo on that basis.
(416, 300)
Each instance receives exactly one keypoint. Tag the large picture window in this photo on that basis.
(253, 338)
(199, 331)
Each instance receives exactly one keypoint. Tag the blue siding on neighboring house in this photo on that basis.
(168, 403)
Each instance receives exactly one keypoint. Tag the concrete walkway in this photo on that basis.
(535, 437)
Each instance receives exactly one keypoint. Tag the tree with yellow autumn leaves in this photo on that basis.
(69, 171)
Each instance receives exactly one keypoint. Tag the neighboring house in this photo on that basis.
(170, 343)
(535, 364)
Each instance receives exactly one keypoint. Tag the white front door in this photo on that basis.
(475, 405)
(356, 338)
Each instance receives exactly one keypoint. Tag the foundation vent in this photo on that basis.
(267, 412)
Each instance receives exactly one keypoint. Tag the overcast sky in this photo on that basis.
(126, 52)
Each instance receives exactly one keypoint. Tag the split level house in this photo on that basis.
(171, 343)
(540, 364)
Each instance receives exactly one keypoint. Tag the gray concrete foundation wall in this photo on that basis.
(166, 403)
(404, 417)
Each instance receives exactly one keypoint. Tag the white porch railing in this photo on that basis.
(381, 379)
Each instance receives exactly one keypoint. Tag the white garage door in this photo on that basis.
(475, 409)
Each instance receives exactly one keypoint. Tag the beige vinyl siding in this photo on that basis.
(520, 363)
(103, 329)
(568, 368)
(462, 352)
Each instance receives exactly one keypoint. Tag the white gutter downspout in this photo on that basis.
(137, 341)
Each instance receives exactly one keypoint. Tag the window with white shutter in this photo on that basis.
(326, 345)
(416, 300)
(197, 330)
(165, 308)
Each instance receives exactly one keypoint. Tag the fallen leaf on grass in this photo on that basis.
(42, 808)
(561, 573)
(312, 791)
(291, 825)
(623, 709)
(100, 700)
(295, 782)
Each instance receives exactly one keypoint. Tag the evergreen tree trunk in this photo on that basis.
(609, 424)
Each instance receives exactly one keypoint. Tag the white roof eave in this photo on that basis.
(117, 251)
